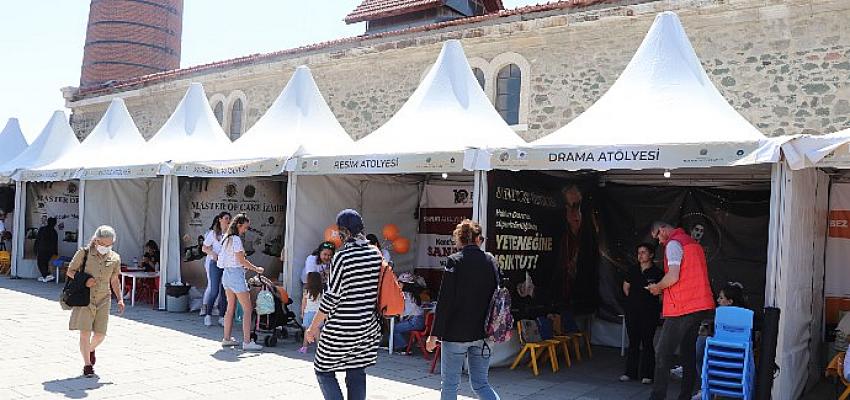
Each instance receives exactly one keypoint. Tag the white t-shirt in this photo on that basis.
(211, 240)
(227, 253)
(410, 306)
(674, 252)
(311, 266)
(386, 255)
(310, 304)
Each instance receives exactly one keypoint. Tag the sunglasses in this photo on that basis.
(327, 246)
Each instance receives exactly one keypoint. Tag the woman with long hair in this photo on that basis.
(214, 291)
(319, 261)
(232, 260)
(349, 340)
(103, 267)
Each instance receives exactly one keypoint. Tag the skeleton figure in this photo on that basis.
(698, 232)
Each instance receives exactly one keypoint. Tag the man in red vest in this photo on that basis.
(687, 300)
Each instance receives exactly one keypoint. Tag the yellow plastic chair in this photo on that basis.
(574, 337)
(5, 262)
(536, 349)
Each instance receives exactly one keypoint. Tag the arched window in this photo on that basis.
(236, 119)
(508, 85)
(218, 111)
(479, 75)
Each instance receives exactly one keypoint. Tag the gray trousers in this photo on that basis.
(677, 333)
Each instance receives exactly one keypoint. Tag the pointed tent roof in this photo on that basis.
(662, 112)
(55, 140)
(438, 129)
(298, 122)
(113, 149)
(12, 140)
(191, 134)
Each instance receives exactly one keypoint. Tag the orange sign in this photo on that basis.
(839, 224)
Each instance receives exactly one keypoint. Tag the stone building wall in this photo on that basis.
(785, 65)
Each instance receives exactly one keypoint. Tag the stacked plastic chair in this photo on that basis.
(728, 368)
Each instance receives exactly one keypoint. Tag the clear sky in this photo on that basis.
(41, 42)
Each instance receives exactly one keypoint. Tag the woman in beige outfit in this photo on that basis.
(104, 265)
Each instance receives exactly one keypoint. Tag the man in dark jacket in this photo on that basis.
(46, 246)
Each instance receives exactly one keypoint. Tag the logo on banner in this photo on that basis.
(839, 224)
(462, 196)
(230, 190)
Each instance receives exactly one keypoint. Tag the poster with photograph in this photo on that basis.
(543, 233)
(201, 199)
(441, 208)
(58, 200)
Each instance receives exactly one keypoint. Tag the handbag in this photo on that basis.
(76, 293)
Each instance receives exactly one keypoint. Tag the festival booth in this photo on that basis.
(815, 245)
(566, 212)
(118, 179)
(412, 179)
(12, 143)
(37, 201)
(251, 177)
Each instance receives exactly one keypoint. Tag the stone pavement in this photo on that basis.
(157, 355)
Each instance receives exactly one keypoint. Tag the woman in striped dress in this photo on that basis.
(350, 336)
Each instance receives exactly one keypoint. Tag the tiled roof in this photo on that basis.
(146, 80)
(371, 9)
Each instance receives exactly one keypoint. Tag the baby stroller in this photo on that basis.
(274, 326)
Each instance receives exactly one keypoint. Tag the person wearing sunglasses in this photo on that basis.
(319, 261)
(687, 301)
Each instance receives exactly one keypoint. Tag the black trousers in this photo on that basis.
(43, 261)
(640, 358)
(677, 332)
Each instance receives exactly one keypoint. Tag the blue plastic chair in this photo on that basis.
(728, 367)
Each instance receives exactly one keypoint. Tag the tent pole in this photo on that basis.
(479, 203)
(774, 232)
(165, 250)
(289, 234)
(80, 221)
(18, 226)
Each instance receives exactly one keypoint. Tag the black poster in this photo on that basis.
(543, 232)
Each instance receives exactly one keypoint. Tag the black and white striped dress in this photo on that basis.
(351, 334)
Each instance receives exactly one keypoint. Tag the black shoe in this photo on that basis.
(92, 358)
(88, 371)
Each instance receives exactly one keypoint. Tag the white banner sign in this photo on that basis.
(58, 200)
(442, 207)
(837, 282)
(377, 164)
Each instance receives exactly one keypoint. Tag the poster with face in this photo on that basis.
(542, 231)
(58, 200)
(441, 208)
(202, 199)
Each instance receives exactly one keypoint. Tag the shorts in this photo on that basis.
(233, 279)
(308, 318)
(90, 318)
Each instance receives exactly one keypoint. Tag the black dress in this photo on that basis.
(643, 310)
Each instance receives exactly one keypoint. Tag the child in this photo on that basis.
(732, 294)
(310, 302)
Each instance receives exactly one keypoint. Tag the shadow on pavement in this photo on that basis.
(74, 388)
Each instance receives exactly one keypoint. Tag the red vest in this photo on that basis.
(692, 292)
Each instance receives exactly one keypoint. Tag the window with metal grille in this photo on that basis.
(508, 86)
(218, 111)
(479, 75)
(236, 120)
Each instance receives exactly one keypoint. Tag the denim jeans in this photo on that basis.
(677, 332)
(214, 290)
(355, 383)
(452, 356)
(415, 323)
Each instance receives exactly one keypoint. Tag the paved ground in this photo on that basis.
(156, 355)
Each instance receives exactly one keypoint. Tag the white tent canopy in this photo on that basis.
(191, 135)
(830, 150)
(298, 122)
(12, 141)
(113, 149)
(438, 129)
(54, 141)
(662, 112)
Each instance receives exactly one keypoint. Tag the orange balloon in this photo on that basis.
(391, 232)
(401, 245)
(332, 235)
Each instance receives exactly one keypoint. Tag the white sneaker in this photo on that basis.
(49, 278)
(229, 342)
(697, 396)
(40, 279)
(201, 313)
(250, 346)
(221, 321)
(646, 381)
(624, 378)
(208, 320)
(677, 372)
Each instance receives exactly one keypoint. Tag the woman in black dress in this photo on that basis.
(643, 310)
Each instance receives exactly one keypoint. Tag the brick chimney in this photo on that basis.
(130, 38)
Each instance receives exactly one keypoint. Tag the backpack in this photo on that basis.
(265, 302)
(499, 323)
(530, 332)
(390, 298)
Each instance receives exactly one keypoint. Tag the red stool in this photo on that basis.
(436, 357)
(419, 337)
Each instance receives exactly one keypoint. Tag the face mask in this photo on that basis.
(103, 250)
